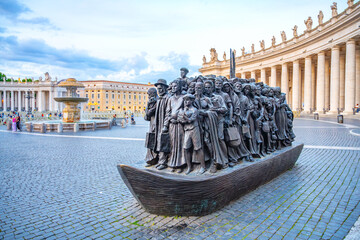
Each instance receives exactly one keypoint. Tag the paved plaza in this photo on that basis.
(66, 186)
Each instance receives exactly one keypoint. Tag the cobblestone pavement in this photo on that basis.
(66, 186)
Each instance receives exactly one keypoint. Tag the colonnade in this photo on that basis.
(326, 81)
(19, 100)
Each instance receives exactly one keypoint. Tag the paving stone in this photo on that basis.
(69, 187)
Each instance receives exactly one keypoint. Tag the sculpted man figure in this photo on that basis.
(151, 157)
(295, 31)
(273, 41)
(320, 17)
(216, 128)
(333, 7)
(308, 24)
(184, 79)
(204, 59)
(262, 44)
(283, 36)
(243, 51)
(160, 113)
(47, 77)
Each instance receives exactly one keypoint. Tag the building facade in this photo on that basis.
(30, 96)
(114, 96)
(103, 96)
(319, 70)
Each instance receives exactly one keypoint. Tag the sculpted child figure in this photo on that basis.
(188, 116)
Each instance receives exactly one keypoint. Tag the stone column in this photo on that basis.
(33, 100)
(27, 101)
(263, 75)
(273, 77)
(285, 80)
(5, 101)
(357, 101)
(307, 85)
(56, 103)
(40, 99)
(296, 87)
(50, 100)
(19, 101)
(313, 86)
(335, 80)
(342, 81)
(12, 100)
(253, 75)
(16, 99)
(327, 83)
(350, 77)
(320, 86)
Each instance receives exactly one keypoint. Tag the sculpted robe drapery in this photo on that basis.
(160, 113)
(150, 116)
(176, 131)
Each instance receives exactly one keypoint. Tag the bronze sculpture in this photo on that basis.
(211, 144)
(235, 119)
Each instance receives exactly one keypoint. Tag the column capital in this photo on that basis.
(335, 47)
(321, 53)
(350, 41)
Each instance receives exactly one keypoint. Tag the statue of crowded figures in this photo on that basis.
(190, 129)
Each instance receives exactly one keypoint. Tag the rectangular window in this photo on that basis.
(113, 96)
(107, 96)
(134, 96)
(129, 96)
(92, 95)
(124, 96)
(87, 95)
(98, 95)
(107, 102)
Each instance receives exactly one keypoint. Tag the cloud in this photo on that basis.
(37, 54)
(37, 51)
(2, 29)
(14, 11)
(166, 67)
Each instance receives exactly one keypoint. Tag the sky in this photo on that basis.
(139, 41)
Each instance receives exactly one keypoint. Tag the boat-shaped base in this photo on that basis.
(172, 194)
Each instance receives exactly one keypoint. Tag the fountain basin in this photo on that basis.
(59, 126)
(70, 99)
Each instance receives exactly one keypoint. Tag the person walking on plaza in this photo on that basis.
(13, 123)
(18, 122)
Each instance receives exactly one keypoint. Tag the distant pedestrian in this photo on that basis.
(18, 122)
(13, 123)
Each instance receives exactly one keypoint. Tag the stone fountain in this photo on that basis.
(71, 113)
